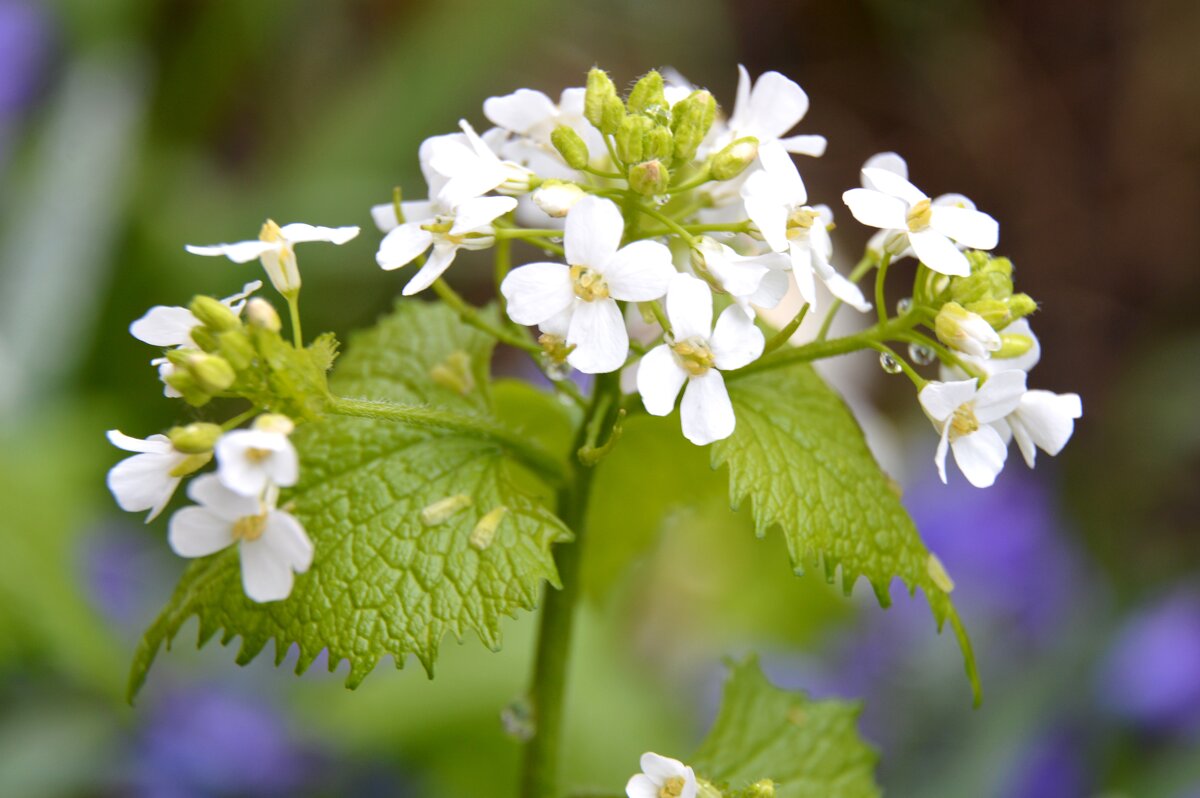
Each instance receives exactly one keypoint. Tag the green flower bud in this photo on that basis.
(262, 314)
(191, 464)
(631, 138)
(761, 789)
(598, 99)
(964, 331)
(196, 438)
(649, 178)
(733, 160)
(995, 312)
(212, 374)
(185, 383)
(658, 144)
(204, 338)
(274, 422)
(983, 284)
(614, 115)
(647, 96)
(691, 119)
(235, 346)
(214, 314)
(1021, 305)
(570, 146)
(1012, 345)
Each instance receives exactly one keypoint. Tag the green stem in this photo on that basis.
(471, 316)
(657, 309)
(780, 338)
(880, 277)
(699, 179)
(293, 300)
(424, 417)
(539, 773)
(670, 223)
(861, 268)
(239, 419)
(943, 353)
(818, 350)
(908, 370)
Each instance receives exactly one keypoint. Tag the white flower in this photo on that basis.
(891, 203)
(892, 241)
(533, 116)
(147, 480)
(586, 290)
(165, 325)
(965, 331)
(750, 279)
(993, 365)
(250, 460)
(471, 168)
(775, 201)
(271, 543)
(1042, 420)
(696, 354)
(773, 106)
(274, 247)
(662, 777)
(965, 416)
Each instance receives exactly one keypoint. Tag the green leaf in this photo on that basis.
(801, 458)
(810, 749)
(385, 580)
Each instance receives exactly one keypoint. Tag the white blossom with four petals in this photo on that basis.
(893, 242)
(272, 544)
(891, 203)
(695, 354)
(767, 109)
(662, 776)
(776, 201)
(148, 480)
(274, 247)
(965, 415)
(585, 290)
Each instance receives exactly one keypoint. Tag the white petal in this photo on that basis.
(777, 103)
(521, 112)
(689, 307)
(476, 213)
(266, 576)
(287, 538)
(980, 456)
(938, 253)
(706, 412)
(893, 184)
(144, 482)
(402, 245)
(241, 252)
(599, 336)
(768, 214)
(738, 275)
(275, 461)
(968, 227)
(641, 786)
(639, 272)
(164, 325)
(1000, 395)
(771, 291)
(876, 209)
(1024, 440)
(195, 532)
(593, 232)
(741, 104)
(299, 233)
(659, 378)
(660, 768)
(953, 201)
(943, 448)
(384, 216)
(236, 302)
(536, 292)
(1049, 419)
(810, 145)
(941, 399)
(888, 161)
(840, 286)
(803, 271)
(439, 260)
(208, 491)
(782, 169)
(735, 341)
(158, 444)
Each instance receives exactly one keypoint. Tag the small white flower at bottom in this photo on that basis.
(147, 480)
(271, 543)
(965, 416)
(696, 355)
(662, 777)
(248, 460)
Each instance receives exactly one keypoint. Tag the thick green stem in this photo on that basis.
(818, 350)
(432, 418)
(539, 772)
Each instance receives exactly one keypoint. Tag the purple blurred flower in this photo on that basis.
(1054, 766)
(25, 39)
(1151, 676)
(202, 742)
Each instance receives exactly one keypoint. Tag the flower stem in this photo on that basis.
(818, 350)
(780, 338)
(472, 317)
(293, 300)
(539, 772)
(880, 277)
(471, 426)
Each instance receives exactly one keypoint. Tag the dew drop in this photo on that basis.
(517, 720)
(556, 371)
(889, 363)
(921, 355)
(904, 305)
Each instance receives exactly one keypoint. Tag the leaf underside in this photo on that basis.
(809, 749)
(800, 457)
(383, 581)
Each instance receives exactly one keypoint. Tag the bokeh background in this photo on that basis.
(129, 127)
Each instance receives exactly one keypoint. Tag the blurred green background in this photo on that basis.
(131, 127)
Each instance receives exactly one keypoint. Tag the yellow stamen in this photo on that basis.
(270, 232)
(963, 422)
(694, 355)
(588, 283)
(919, 216)
(672, 788)
(250, 527)
(255, 455)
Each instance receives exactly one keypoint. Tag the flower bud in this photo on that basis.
(1021, 305)
(995, 312)
(262, 314)
(556, 197)
(185, 383)
(631, 137)
(960, 329)
(214, 314)
(733, 160)
(761, 789)
(598, 102)
(691, 119)
(204, 338)
(1012, 345)
(647, 96)
(196, 438)
(235, 347)
(274, 422)
(570, 146)
(981, 285)
(211, 373)
(658, 144)
(650, 178)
